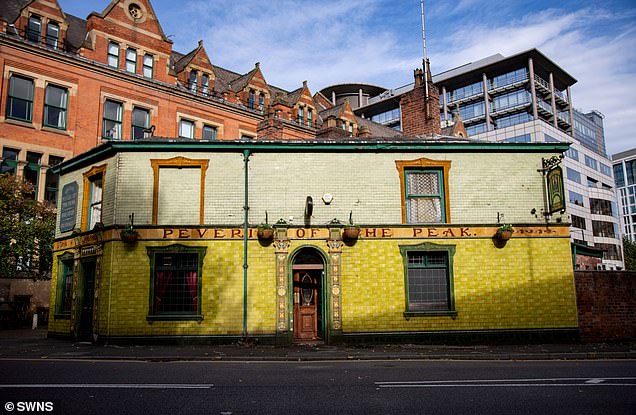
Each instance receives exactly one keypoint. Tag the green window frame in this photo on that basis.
(55, 106)
(140, 123)
(148, 65)
(186, 128)
(424, 196)
(9, 161)
(301, 115)
(209, 132)
(20, 98)
(34, 28)
(131, 60)
(175, 282)
(65, 272)
(428, 280)
(113, 54)
(51, 184)
(113, 119)
(52, 35)
(310, 118)
(31, 172)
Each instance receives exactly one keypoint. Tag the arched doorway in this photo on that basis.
(308, 280)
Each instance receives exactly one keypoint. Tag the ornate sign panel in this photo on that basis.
(556, 192)
(68, 207)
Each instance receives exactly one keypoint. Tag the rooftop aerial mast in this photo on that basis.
(425, 58)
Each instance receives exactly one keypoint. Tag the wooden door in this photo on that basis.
(87, 300)
(306, 304)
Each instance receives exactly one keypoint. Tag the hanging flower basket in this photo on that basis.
(504, 232)
(351, 233)
(265, 233)
(129, 236)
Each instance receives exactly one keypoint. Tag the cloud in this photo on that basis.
(596, 46)
(378, 41)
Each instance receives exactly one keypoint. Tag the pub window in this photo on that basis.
(55, 104)
(9, 160)
(52, 35)
(32, 172)
(424, 196)
(20, 103)
(424, 190)
(113, 54)
(428, 279)
(140, 123)
(209, 132)
(111, 128)
(64, 287)
(186, 129)
(176, 282)
(95, 201)
(131, 60)
(34, 29)
(52, 181)
(148, 65)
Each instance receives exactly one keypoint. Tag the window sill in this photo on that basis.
(448, 313)
(61, 131)
(21, 123)
(59, 316)
(174, 317)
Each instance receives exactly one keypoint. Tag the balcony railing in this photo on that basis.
(542, 83)
(49, 42)
(544, 106)
(493, 85)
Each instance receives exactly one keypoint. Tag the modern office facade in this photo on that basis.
(625, 175)
(523, 98)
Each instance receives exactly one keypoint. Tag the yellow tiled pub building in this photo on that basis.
(370, 240)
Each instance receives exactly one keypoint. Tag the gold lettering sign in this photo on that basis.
(556, 192)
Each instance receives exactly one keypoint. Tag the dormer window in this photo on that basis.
(301, 115)
(52, 35)
(193, 81)
(261, 102)
(34, 29)
(251, 99)
(205, 84)
(309, 117)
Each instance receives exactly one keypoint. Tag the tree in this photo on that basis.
(629, 250)
(26, 231)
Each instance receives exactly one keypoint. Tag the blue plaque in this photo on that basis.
(68, 207)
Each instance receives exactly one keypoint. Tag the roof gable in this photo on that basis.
(139, 15)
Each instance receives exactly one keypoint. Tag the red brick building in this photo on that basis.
(69, 83)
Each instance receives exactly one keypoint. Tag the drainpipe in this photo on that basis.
(246, 159)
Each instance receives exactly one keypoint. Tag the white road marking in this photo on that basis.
(498, 383)
(113, 386)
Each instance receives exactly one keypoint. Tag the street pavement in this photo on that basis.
(30, 344)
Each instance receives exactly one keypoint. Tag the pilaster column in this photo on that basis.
(281, 247)
(553, 102)
(533, 90)
(486, 102)
(335, 252)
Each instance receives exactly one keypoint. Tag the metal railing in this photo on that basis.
(507, 81)
(544, 105)
(49, 42)
(542, 82)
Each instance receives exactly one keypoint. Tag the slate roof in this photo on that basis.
(184, 60)
(10, 9)
(76, 34)
(241, 82)
(378, 130)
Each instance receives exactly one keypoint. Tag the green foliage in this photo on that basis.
(505, 227)
(26, 231)
(629, 249)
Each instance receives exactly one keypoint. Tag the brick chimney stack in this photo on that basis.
(420, 114)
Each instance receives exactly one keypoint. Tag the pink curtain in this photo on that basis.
(161, 285)
(191, 279)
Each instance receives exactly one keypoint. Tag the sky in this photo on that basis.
(380, 42)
